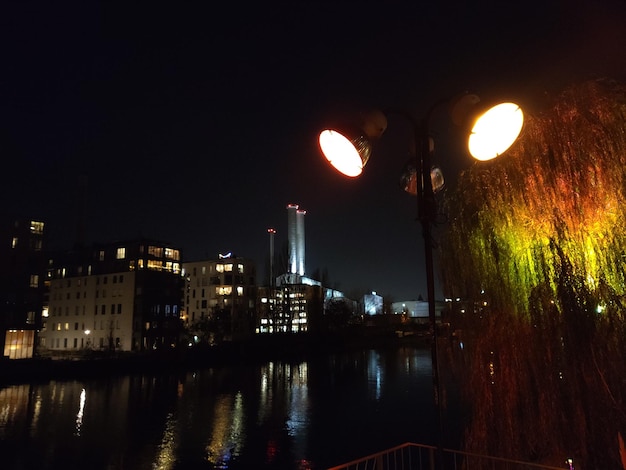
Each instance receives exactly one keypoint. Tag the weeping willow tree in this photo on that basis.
(537, 246)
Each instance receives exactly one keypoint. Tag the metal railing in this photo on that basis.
(410, 456)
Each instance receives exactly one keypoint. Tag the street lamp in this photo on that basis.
(491, 130)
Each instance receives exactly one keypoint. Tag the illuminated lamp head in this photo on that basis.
(349, 149)
(492, 128)
(494, 131)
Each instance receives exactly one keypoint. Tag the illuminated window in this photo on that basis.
(36, 227)
(67, 326)
(101, 255)
(155, 251)
(224, 290)
(239, 290)
(14, 242)
(121, 253)
(203, 270)
(156, 265)
(172, 254)
(228, 267)
(34, 280)
(219, 268)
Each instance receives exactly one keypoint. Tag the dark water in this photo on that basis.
(303, 415)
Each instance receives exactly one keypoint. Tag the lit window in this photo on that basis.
(240, 268)
(155, 251)
(172, 254)
(219, 268)
(224, 290)
(239, 290)
(228, 267)
(101, 255)
(36, 227)
(156, 265)
(121, 253)
(203, 270)
(34, 280)
(67, 326)
(14, 242)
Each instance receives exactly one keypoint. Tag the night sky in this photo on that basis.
(198, 125)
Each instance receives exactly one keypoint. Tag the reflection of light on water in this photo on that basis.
(298, 412)
(16, 403)
(81, 409)
(266, 391)
(374, 374)
(298, 401)
(166, 458)
(228, 433)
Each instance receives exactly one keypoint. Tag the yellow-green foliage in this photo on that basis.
(541, 234)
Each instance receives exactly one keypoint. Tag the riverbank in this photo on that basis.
(288, 347)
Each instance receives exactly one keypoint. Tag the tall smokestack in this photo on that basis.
(295, 235)
(272, 232)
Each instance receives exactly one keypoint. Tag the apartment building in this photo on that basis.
(220, 298)
(21, 285)
(120, 296)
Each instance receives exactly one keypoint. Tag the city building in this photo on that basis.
(220, 298)
(121, 296)
(293, 302)
(22, 264)
(417, 310)
(372, 304)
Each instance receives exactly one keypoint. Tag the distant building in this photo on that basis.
(22, 265)
(221, 295)
(293, 303)
(121, 296)
(372, 304)
(417, 310)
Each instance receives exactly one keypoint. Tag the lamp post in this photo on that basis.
(492, 130)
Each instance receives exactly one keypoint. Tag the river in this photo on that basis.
(308, 414)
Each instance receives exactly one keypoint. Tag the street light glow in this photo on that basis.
(495, 131)
(343, 153)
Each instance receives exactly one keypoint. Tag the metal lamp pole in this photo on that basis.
(426, 214)
(426, 207)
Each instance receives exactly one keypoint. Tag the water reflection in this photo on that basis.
(166, 456)
(81, 409)
(305, 415)
(228, 434)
